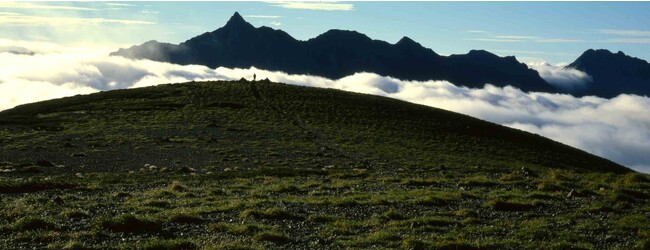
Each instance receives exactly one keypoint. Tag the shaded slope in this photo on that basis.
(335, 54)
(246, 125)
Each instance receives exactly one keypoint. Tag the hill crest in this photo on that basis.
(337, 127)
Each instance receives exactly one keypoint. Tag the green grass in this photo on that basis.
(33, 224)
(303, 168)
(130, 223)
(176, 244)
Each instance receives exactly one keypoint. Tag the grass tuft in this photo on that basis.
(33, 223)
(131, 224)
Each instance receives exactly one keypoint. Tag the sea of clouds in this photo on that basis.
(616, 128)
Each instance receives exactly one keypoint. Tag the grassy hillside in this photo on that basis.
(269, 165)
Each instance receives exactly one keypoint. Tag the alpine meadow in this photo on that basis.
(299, 125)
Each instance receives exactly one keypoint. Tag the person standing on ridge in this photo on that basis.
(254, 76)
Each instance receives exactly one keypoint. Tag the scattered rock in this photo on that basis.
(79, 175)
(227, 169)
(153, 168)
(60, 166)
(44, 163)
(572, 193)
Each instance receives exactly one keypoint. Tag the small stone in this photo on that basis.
(227, 169)
(153, 168)
(131, 172)
(329, 166)
(79, 175)
(60, 166)
(78, 155)
(572, 193)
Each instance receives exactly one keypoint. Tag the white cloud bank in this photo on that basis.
(616, 128)
(571, 80)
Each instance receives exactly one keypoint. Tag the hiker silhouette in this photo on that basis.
(254, 76)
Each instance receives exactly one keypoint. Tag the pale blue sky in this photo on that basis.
(533, 31)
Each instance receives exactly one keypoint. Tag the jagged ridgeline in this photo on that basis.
(335, 54)
(254, 125)
(339, 53)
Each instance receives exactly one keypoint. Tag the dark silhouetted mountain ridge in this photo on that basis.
(613, 73)
(335, 54)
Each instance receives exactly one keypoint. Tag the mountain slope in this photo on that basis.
(194, 122)
(335, 54)
(226, 165)
(613, 73)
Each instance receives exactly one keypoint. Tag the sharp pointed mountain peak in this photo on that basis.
(407, 41)
(237, 21)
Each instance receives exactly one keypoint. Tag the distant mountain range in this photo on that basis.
(335, 54)
(339, 53)
(613, 73)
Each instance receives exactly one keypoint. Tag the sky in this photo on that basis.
(555, 32)
(71, 43)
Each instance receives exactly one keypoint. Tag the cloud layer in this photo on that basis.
(570, 80)
(611, 128)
